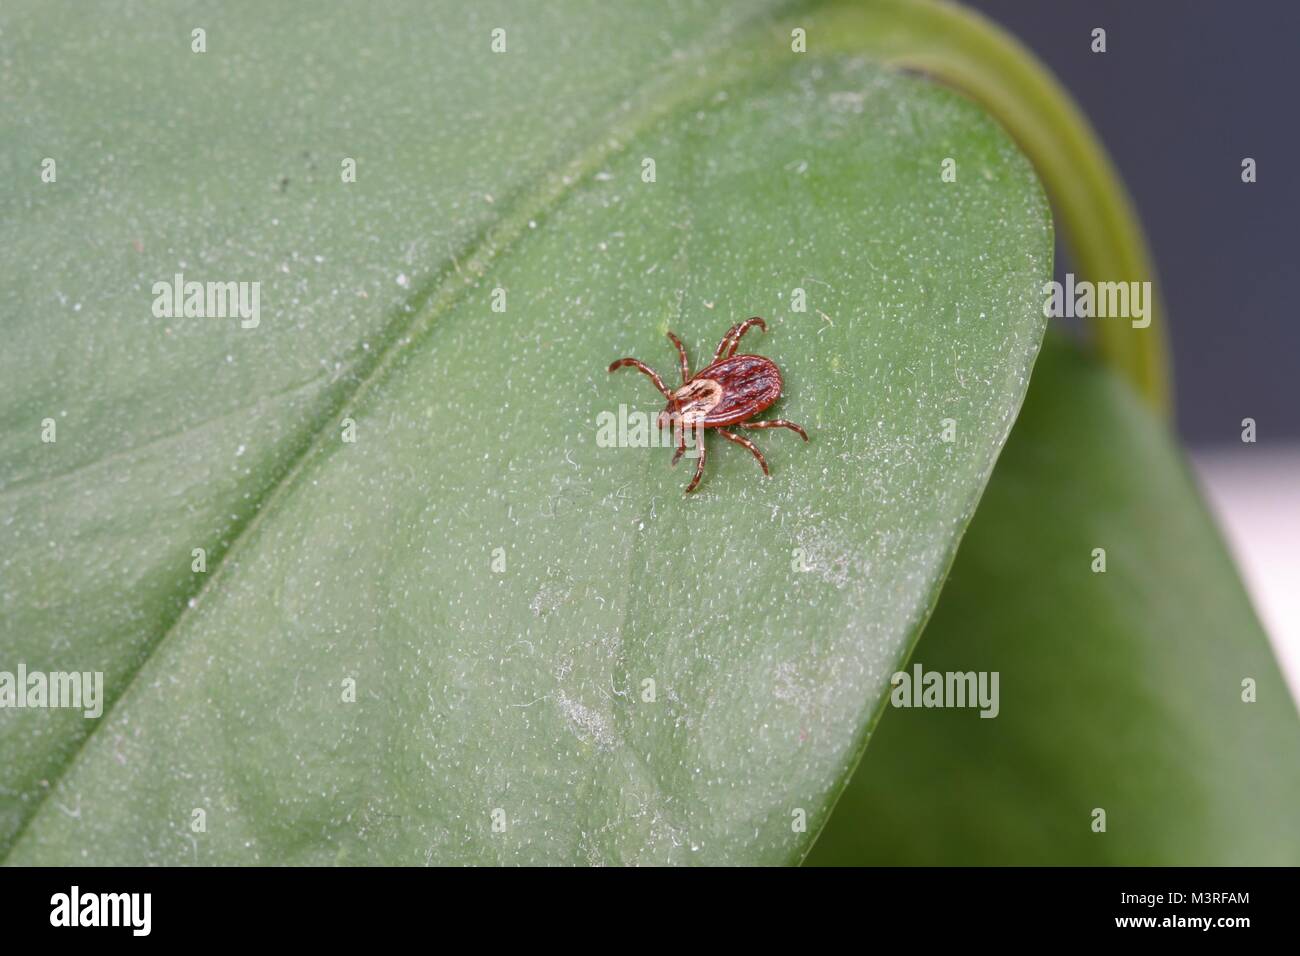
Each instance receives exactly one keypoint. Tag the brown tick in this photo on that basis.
(730, 391)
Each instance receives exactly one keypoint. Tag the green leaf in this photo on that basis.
(372, 561)
(1119, 690)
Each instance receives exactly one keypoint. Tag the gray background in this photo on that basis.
(1186, 89)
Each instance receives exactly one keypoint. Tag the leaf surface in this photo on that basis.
(1120, 691)
(498, 717)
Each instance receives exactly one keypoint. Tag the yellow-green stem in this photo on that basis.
(1092, 208)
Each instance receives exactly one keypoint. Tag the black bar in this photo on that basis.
(301, 905)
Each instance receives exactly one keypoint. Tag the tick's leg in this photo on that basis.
(742, 329)
(726, 340)
(731, 341)
(776, 423)
(641, 366)
(697, 432)
(699, 468)
(746, 443)
(681, 351)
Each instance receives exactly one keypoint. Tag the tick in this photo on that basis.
(730, 391)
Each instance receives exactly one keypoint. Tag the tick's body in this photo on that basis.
(730, 391)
